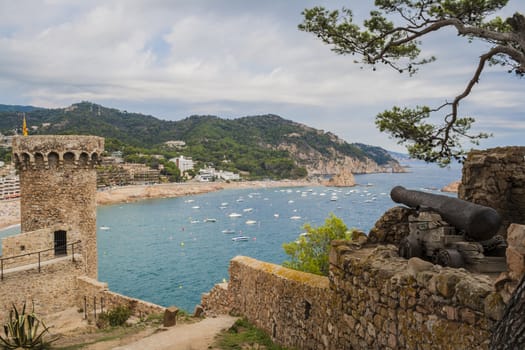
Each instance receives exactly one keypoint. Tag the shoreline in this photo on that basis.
(10, 210)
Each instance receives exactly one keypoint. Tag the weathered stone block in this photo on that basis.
(170, 316)
(516, 237)
(515, 263)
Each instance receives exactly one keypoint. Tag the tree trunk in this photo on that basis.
(509, 333)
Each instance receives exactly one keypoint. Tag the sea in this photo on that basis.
(170, 251)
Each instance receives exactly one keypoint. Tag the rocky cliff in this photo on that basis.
(334, 161)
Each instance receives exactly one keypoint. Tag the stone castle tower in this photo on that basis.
(58, 184)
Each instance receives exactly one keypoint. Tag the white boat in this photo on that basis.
(235, 215)
(210, 220)
(194, 221)
(227, 231)
(251, 222)
(247, 210)
(195, 207)
(240, 238)
(275, 215)
(224, 204)
(295, 217)
(104, 228)
(333, 198)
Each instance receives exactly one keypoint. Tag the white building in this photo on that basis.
(228, 176)
(9, 187)
(184, 164)
(210, 174)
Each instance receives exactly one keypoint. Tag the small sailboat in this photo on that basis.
(210, 220)
(235, 215)
(228, 231)
(104, 228)
(240, 238)
(251, 222)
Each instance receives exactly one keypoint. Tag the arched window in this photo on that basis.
(69, 159)
(26, 159)
(83, 160)
(52, 159)
(39, 161)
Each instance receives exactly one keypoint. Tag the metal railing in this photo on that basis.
(61, 248)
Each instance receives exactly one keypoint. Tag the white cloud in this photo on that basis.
(220, 57)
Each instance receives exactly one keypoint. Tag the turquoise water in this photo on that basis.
(164, 252)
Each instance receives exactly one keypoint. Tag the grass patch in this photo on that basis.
(244, 335)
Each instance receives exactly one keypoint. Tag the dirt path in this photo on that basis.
(192, 336)
(195, 335)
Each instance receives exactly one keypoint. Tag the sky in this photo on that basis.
(234, 58)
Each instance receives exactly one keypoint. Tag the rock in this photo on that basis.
(515, 263)
(416, 265)
(494, 306)
(344, 178)
(392, 226)
(199, 311)
(516, 237)
(170, 316)
(451, 187)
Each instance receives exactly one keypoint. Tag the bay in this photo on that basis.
(166, 252)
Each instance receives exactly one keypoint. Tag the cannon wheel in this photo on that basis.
(448, 257)
(409, 250)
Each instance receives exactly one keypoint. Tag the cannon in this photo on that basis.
(448, 231)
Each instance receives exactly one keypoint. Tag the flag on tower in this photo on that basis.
(24, 127)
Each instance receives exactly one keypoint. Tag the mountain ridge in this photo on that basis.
(261, 146)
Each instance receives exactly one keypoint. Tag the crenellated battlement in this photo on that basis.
(57, 151)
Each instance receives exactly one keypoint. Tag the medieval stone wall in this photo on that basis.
(23, 248)
(496, 178)
(94, 295)
(373, 299)
(53, 289)
(58, 186)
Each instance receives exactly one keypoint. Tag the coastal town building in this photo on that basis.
(9, 187)
(211, 174)
(183, 163)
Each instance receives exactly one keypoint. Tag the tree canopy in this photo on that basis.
(392, 36)
(309, 253)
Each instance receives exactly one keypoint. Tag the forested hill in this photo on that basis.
(263, 145)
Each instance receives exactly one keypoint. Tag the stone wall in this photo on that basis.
(22, 249)
(94, 295)
(52, 290)
(496, 178)
(392, 226)
(289, 305)
(372, 299)
(58, 186)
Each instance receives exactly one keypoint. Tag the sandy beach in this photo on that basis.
(10, 210)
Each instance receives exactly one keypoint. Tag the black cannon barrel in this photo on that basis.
(479, 222)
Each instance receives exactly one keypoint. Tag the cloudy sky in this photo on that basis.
(233, 58)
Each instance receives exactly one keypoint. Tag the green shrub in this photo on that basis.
(115, 317)
(309, 253)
